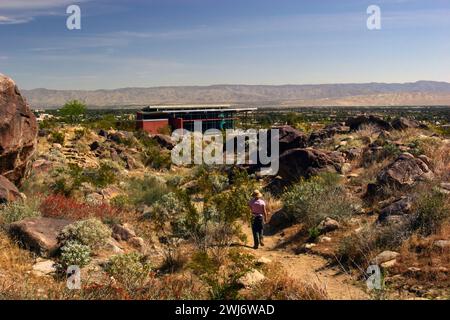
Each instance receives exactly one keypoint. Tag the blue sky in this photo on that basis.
(201, 42)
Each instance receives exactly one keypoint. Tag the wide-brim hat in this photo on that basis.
(257, 194)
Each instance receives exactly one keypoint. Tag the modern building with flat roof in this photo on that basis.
(155, 119)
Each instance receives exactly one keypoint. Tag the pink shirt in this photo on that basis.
(257, 206)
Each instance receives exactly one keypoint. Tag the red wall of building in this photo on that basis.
(153, 127)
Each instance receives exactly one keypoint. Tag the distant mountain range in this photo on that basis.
(420, 93)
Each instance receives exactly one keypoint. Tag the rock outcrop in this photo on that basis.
(8, 191)
(404, 172)
(164, 141)
(299, 163)
(39, 234)
(18, 132)
(398, 207)
(356, 122)
(290, 138)
(404, 123)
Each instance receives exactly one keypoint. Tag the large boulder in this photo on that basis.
(405, 171)
(18, 132)
(328, 225)
(39, 234)
(164, 141)
(290, 138)
(298, 163)
(402, 123)
(278, 221)
(8, 191)
(356, 122)
(398, 207)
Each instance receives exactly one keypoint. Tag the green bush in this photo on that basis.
(74, 253)
(17, 211)
(57, 137)
(358, 249)
(91, 232)
(311, 201)
(432, 209)
(147, 191)
(223, 284)
(131, 270)
(101, 177)
(73, 111)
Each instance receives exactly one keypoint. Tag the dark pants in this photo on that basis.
(257, 229)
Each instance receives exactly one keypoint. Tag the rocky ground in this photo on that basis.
(348, 195)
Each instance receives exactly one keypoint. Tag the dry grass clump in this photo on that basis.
(279, 286)
(425, 264)
(366, 131)
(16, 279)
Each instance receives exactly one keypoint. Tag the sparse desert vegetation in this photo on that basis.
(105, 197)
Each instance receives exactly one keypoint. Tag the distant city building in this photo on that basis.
(155, 119)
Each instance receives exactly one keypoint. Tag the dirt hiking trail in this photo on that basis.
(309, 268)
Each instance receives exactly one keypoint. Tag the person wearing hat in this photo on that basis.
(259, 217)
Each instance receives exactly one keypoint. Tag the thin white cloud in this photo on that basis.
(14, 20)
(34, 4)
(23, 11)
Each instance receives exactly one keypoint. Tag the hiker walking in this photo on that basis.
(259, 217)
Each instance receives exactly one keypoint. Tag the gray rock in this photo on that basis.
(8, 191)
(39, 234)
(137, 243)
(328, 225)
(385, 256)
(442, 244)
(123, 232)
(251, 278)
(44, 268)
(397, 207)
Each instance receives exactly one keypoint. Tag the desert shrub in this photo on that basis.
(223, 283)
(173, 259)
(432, 209)
(358, 249)
(166, 209)
(17, 211)
(175, 181)
(91, 232)
(313, 233)
(81, 133)
(72, 177)
(74, 253)
(60, 206)
(57, 137)
(366, 130)
(147, 190)
(105, 175)
(130, 270)
(121, 202)
(187, 222)
(157, 158)
(391, 150)
(310, 201)
(214, 183)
